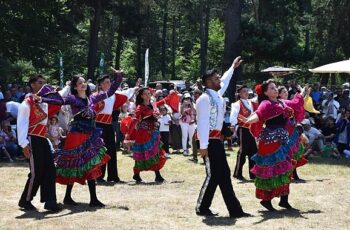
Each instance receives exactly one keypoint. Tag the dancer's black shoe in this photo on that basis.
(26, 205)
(69, 201)
(96, 203)
(137, 178)
(267, 204)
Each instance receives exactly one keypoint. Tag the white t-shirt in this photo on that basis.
(12, 108)
(164, 123)
(312, 134)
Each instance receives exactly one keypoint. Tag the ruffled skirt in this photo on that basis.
(81, 158)
(274, 164)
(148, 154)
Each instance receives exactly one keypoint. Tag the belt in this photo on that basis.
(39, 130)
(213, 134)
(104, 118)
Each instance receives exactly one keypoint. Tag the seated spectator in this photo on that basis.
(330, 106)
(11, 143)
(4, 138)
(329, 131)
(316, 139)
(342, 137)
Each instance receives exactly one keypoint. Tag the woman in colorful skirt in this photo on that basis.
(144, 137)
(298, 157)
(274, 125)
(84, 151)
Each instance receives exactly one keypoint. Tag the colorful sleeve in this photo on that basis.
(297, 104)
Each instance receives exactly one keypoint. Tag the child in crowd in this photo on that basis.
(55, 132)
(164, 123)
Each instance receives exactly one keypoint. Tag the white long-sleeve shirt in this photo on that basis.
(203, 110)
(23, 122)
(109, 102)
(236, 107)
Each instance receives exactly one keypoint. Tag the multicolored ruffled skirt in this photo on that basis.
(81, 158)
(148, 153)
(274, 165)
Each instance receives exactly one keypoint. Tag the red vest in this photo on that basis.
(244, 112)
(36, 115)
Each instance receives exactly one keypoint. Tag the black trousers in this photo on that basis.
(218, 174)
(108, 137)
(164, 137)
(247, 147)
(42, 172)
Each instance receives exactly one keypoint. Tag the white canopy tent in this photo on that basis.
(336, 67)
(278, 71)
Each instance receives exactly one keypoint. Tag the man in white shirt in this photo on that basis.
(210, 116)
(240, 111)
(32, 132)
(330, 107)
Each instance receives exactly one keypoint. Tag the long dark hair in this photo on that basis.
(73, 83)
(139, 99)
(264, 86)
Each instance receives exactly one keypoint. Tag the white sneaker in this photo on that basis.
(186, 153)
(167, 155)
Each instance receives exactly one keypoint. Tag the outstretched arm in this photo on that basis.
(226, 78)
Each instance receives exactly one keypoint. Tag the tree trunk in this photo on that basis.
(139, 56)
(109, 55)
(232, 46)
(119, 48)
(164, 33)
(204, 32)
(173, 49)
(93, 42)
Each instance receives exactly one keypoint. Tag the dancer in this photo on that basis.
(278, 142)
(299, 156)
(210, 115)
(240, 111)
(104, 111)
(83, 153)
(144, 137)
(32, 132)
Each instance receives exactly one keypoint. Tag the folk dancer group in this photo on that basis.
(267, 131)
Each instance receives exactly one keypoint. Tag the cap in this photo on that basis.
(187, 95)
(306, 122)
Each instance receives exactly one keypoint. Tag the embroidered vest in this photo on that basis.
(213, 113)
(37, 114)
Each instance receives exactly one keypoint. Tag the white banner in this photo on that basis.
(146, 67)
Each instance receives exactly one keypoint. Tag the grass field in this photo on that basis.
(323, 200)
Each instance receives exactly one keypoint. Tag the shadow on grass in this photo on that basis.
(219, 221)
(15, 164)
(155, 183)
(267, 215)
(66, 211)
(342, 161)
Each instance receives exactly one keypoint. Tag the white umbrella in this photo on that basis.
(336, 67)
(278, 71)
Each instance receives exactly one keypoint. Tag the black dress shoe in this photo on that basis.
(100, 180)
(52, 206)
(69, 201)
(96, 203)
(159, 179)
(26, 205)
(207, 212)
(137, 178)
(117, 180)
(285, 205)
(267, 204)
(239, 214)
